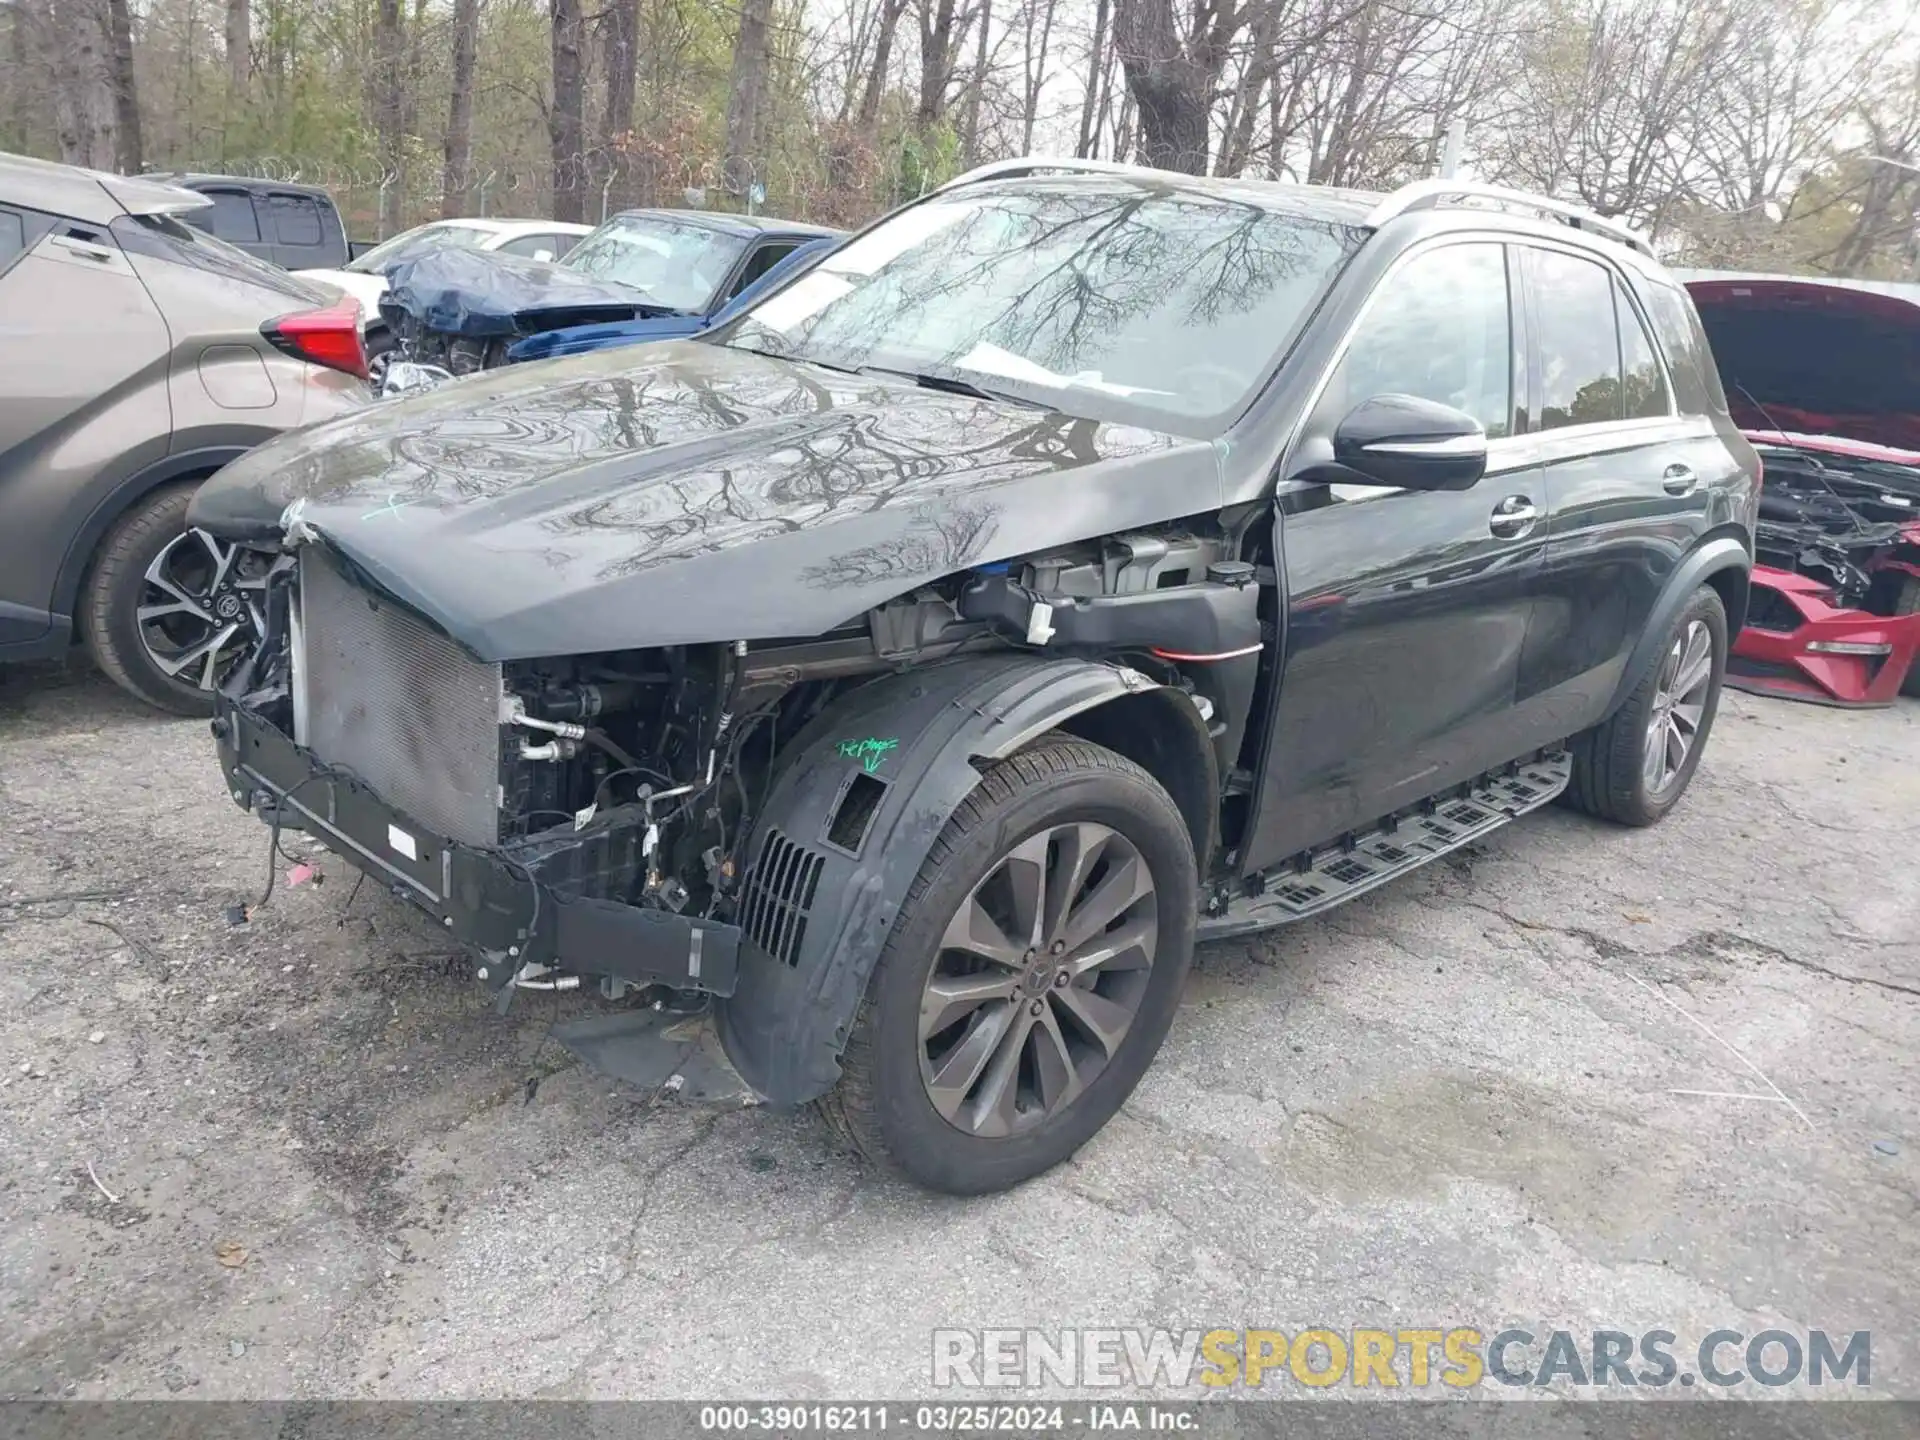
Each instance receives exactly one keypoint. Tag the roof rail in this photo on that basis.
(1038, 164)
(1434, 194)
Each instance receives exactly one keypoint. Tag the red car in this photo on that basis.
(1824, 377)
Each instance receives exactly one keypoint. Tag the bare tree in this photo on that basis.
(239, 50)
(567, 111)
(938, 43)
(620, 40)
(977, 83)
(456, 178)
(886, 28)
(1099, 71)
(389, 111)
(72, 44)
(1608, 98)
(1173, 62)
(746, 95)
(1037, 27)
(126, 97)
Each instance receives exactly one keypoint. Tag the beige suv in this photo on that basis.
(138, 356)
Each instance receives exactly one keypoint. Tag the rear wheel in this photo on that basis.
(1634, 767)
(169, 610)
(1031, 974)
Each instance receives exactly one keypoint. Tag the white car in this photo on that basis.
(365, 278)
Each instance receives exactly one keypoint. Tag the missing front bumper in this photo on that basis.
(492, 900)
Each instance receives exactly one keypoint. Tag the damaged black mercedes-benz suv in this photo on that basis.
(1079, 561)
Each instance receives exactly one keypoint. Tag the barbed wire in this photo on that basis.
(845, 184)
(847, 188)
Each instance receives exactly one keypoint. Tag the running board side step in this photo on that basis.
(1400, 843)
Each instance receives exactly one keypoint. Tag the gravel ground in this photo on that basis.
(301, 1159)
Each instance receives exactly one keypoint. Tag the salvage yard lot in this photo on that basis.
(301, 1157)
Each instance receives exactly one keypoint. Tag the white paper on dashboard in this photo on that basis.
(989, 359)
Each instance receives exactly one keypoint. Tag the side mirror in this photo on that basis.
(543, 255)
(1410, 443)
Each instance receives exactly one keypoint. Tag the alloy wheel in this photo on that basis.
(1679, 704)
(201, 607)
(1040, 975)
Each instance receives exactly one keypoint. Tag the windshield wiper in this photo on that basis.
(953, 385)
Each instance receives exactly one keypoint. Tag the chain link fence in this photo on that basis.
(842, 186)
(843, 182)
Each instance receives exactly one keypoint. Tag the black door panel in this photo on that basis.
(1407, 611)
(1405, 625)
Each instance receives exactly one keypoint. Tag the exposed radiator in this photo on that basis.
(399, 704)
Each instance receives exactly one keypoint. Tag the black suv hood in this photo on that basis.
(686, 493)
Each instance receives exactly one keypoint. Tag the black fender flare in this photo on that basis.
(129, 492)
(860, 799)
(1718, 553)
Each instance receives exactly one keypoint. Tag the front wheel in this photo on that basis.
(1030, 977)
(1634, 767)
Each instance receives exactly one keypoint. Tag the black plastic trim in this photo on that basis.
(927, 732)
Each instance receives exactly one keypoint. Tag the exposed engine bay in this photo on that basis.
(1835, 611)
(636, 778)
(1839, 521)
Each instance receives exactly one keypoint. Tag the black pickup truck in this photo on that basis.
(297, 227)
(1078, 562)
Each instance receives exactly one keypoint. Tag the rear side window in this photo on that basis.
(230, 217)
(1439, 328)
(1677, 325)
(535, 247)
(1579, 341)
(166, 238)
(296, 218)
(762, 260)
(1645, 385)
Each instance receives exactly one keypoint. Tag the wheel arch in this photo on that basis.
(84, 547)
(1161, 732)
(1724, 561)
(857, 805)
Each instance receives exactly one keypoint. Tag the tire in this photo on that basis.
(113, 594)
(1610, 770)
(380, 345)
(884, 1103)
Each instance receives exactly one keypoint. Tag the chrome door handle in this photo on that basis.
(84, 249)
(1513, 517)
(1679, 480)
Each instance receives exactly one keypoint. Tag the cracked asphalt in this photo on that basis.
(1575, 1077)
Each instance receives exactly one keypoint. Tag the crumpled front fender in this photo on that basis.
(859, 802)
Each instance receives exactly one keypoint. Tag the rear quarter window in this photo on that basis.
(1676, 324)
(230, 217)
(165, 238)
(296, 218)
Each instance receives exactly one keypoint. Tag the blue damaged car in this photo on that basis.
(643, 275)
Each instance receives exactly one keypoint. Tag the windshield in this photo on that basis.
(1112, 297)
(679, 266)
(414, 242)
